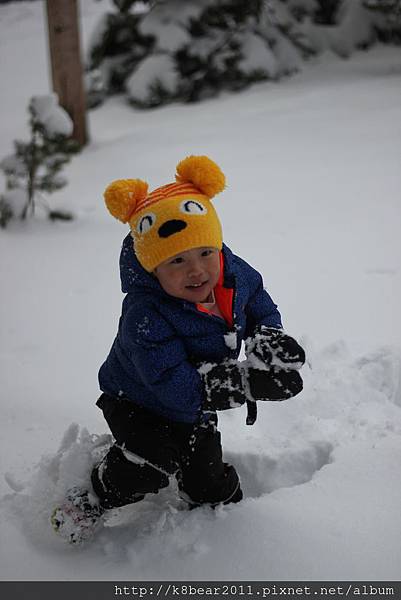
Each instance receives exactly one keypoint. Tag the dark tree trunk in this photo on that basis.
(65, 59)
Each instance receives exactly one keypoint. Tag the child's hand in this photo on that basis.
(270, 346)
(274, 383)
(223, 385)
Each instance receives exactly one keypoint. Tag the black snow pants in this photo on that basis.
(150, 448)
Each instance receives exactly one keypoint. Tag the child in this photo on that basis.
(189, 304)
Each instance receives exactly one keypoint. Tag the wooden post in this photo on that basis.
(65, 59)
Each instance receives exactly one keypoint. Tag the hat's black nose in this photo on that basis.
(170, 227)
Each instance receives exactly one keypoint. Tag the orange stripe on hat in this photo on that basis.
(168, 191)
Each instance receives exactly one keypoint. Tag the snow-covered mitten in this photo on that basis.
(274, 383)
(78, 517)
(270, 346)
(223, 385)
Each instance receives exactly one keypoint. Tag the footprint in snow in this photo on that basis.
(261, 474)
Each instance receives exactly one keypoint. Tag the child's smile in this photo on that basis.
(190, 275)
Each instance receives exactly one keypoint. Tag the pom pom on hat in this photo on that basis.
(123, 195)
(203, 173)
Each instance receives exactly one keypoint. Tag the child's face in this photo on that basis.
(190, 275)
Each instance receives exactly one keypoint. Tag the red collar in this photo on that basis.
(224, 297)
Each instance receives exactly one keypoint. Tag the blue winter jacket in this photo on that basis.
(160, 337)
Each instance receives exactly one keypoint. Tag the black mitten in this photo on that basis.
(274, 347)
(223, 385)
(274, 383)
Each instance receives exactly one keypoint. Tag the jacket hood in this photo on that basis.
(134, 276)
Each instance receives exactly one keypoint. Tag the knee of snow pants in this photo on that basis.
(142, 459)
(141, 432)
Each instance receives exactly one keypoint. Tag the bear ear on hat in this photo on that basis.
(203, 173)
(122, 197)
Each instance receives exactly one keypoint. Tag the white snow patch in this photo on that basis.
(16, 199)
(230, 339)
(258, 56)
(157, 68)
(55, 119)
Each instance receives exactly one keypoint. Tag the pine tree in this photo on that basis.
(223, 45)
(188, 51)
(118, 48)
(220, 28)
(35, 166)
(388, 13)
(173, 50)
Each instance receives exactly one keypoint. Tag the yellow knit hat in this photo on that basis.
(173, 218)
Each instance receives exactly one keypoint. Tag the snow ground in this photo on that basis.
(313, 201)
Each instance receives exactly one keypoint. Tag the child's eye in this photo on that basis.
(177, 261)
(145, 223)
(207, 252)
(192, 207)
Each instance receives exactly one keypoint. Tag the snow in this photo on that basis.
(54, 118)
(312, 165)
(156, 68)
(161, 22)
(230, 339)
(355, 29)
(257, 56)
(15, 198)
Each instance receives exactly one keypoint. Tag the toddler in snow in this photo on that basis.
(189, 304)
